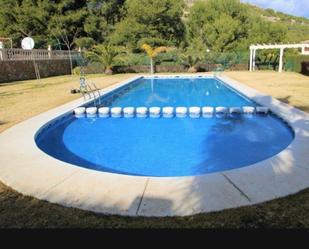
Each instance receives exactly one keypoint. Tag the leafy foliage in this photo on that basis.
(293, 62)
(105, 55)
(153, 20)
(153, 52)
(61, 23)
(195, 53)
(225, 28)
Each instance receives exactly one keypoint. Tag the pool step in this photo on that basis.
(169, 111)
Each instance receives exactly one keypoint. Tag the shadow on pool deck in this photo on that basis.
(286, 174)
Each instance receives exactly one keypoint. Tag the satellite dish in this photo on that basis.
(27, 43)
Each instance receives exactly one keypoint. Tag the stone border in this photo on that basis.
(27, 169)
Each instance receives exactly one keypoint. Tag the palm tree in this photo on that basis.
(152, 53)
(104, 54)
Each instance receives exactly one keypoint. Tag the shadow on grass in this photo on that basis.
(279, 213)
(286, 100)
(11, 94)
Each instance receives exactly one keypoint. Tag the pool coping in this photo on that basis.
(30, 171)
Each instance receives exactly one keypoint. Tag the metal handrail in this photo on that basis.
(86, 89)
(98, 91)
(91, 92)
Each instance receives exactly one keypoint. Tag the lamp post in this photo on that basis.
(207, 51)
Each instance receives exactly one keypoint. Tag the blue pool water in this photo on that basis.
(177, 92)
(168, 146)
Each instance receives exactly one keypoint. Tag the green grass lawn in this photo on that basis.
(21, 100)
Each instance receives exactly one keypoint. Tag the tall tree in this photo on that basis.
(102, 16)
(61, 23)
(22, 18)
(66, 22)
(229, 25)
(158, 21)
(221, 24)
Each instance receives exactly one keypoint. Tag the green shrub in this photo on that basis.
(170, 58)
(133, 60)
(293, 62)
(76, 71)
(93, 68)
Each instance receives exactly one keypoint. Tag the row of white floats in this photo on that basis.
(167, 111)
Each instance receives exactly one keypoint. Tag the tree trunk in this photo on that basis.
(71, 64)
(192, 69)
(108, 70)
(151, 65)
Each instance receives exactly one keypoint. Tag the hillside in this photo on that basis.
(298, 27)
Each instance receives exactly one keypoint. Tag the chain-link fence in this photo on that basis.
(173, 61)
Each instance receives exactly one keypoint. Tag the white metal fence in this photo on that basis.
(16, 54)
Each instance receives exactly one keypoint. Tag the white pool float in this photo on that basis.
(91, 111)
(141, 112)
(128, 112)
(248, 109)
(168, 111)
(103, 112)
(194, 111)
(207, 111)
(235, 110)
(181, 111)
(154, 112)
(79, 112)
(221, 110)
(262, 109)
(116, 112)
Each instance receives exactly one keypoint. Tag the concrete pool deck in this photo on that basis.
(27, 169)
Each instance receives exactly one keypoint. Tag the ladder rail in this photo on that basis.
(82, 91)
(90, 89)
(93, 94)
(98, 91)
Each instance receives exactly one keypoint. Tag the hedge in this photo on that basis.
(293, 62)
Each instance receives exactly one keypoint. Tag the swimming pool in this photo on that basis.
(165, 147)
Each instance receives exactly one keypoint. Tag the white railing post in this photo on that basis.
(281, 60)
(49, 51)
(1, 49)
(253, 60)
(250, 62)
(37, 54)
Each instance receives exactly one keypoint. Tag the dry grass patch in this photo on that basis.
(291, 88)
(24, 99)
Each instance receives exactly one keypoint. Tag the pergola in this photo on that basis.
(253, 49)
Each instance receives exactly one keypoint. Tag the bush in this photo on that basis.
(76, 71)
(94, 68)
(305, 68)
(134, 60)
(293, 62)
